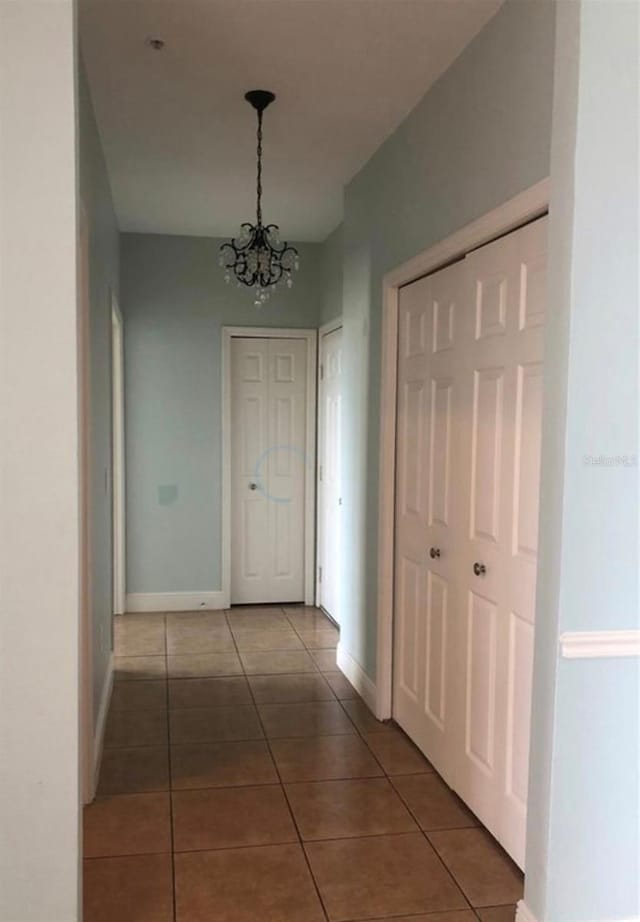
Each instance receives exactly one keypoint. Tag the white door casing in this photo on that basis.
(118, 462)
(329, 472)
(268, 469)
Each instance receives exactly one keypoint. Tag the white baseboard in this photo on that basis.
(357, 676)
(101, 722)
(175, 601)
(524, 914)
(599, 644)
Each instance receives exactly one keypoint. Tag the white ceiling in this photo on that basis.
(179, 138)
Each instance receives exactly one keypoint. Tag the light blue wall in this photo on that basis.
(175, 302)
(95, 194)
(583, 846)
(479, 136)
(331, 260)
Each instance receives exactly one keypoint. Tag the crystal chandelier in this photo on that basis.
(257, 257)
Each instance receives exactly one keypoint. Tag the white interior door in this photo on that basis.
(427, 530)
(329, 474)
(268, 461)
(502, 400)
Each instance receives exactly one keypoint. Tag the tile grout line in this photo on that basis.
(284, 794)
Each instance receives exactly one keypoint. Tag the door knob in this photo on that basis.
(434, 552)
(479, 569)
(253, 486)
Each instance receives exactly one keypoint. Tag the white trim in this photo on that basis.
(323, 331)
(523, 913)
(311, 338)
(599, 644)
(101, 723)
(176, 601)
(357, 676)
(118, 457)
(529, 204)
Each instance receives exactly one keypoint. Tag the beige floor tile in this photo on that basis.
(340, 685)
(195, 666)
(202, 725)
(135, 770)
(306, 618)
(434, 805)
(363, 718)
(290, 689)
(127, 668)
(497, 914)
(205, 765)
(138, 635)
(261, 641)
(144, 696)
(231, 817)
(317, 718)
(321, 758)
(138, 887)
(320, 638)
(325, 660)
(482, 869)
(339, 809)
(136, 728)
(197, 619)
(246, 885)
(277, 662)
(396, 753)
(382, 876)
(208, 693)
(127, 824)
(188, 638)
(257, 619)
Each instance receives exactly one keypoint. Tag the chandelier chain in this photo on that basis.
(259, 182)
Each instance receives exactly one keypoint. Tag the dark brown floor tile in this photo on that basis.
(482, 869)
(396, 753)
(325, 660)
(198, 638)
(290, 689)
(317, 718)
(229, 817)
(267, 884)
(340, 685)
(381, 876)
(266, 641)
(497, 914)
(208, 765)
(127, 824)
(255, 618)
(135, 770)
(138, 635)
(363, 718)
(196, 666)
(458, 915)
(277, 662)
(136, 728)
(321, 758)
(202, 725)
(320, 638)
(137, 888)
(208, 693)
(127, 668)
(434, 805)
(338, 809)
(143, 696)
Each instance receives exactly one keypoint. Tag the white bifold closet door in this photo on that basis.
(268, 433)
(468, 458)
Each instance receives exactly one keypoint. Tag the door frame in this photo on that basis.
(526, 206)
(311, 339)
(118, 519)
(323, 331)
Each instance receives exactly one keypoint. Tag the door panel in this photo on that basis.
(268, 435)
(330, 485)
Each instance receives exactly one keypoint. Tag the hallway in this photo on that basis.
(244, 780)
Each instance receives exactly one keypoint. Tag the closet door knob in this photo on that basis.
(253, 486)
(479, 569)
(434, 552)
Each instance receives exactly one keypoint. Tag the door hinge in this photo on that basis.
(322, 372)
(319, 574)
(320, 472)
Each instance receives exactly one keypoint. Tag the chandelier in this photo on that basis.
(257, 257)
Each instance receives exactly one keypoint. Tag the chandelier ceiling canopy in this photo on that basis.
(257, 257)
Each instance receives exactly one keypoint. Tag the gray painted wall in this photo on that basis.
(175, 302)
(95, 194)
(331, 260)
(479, 136)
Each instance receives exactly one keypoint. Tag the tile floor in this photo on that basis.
(244, 780)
